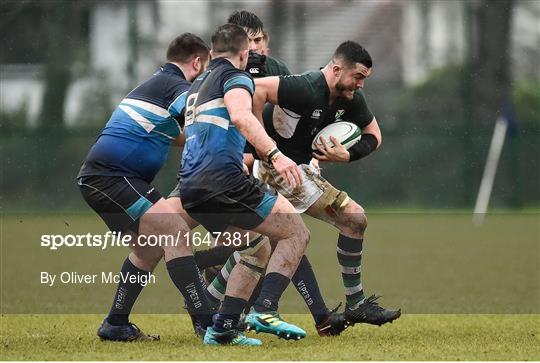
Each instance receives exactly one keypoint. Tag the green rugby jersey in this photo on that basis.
(275, 67)
(304, 109)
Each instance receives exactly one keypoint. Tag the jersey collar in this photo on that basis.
(221, 60)
(326, 89)
(171, 68)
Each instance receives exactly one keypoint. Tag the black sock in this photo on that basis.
(273, 286)
(305, 282)
(254, 295)
(186, 277)
(229, 313)
(126, 295)
(213, 256)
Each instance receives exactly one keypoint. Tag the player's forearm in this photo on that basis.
(367, 144)
(254, 132)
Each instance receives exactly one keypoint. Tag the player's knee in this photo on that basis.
(360, 222)
(265, 251)
(304, 235)
(258, 247)
(256, 255)
(147, 260)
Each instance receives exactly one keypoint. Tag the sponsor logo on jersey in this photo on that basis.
(339, 114)
(254, 70)
(316, 113)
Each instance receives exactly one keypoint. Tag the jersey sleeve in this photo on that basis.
(176, 109)
(238, 80)
(358, 112)
(293, 92)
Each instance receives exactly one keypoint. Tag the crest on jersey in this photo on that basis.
(339, 114)
(316, 113)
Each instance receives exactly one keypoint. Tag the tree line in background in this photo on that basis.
(443, 129)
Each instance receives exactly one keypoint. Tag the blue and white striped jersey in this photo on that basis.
(135, 142)
(213, 154)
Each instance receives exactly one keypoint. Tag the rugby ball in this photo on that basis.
(346, 132)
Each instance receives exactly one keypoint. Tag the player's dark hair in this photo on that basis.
(352, 52)
(186, 46)
(246, 19)
(229, 38)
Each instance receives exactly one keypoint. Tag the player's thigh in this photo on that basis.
(301, 198)
(245, 242)
(162, 220)
(120, 203)
(176, 205)
(283, 222)
(234, 236)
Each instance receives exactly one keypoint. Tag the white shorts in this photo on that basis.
(313, 186)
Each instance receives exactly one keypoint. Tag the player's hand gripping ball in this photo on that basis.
(332, 142)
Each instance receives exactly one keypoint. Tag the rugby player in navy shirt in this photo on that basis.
(216, 193)
(116, 181)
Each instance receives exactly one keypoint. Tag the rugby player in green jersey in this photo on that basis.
(299, 106)
(258, 41)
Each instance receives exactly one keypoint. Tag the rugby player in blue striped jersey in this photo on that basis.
(216, 193)
(116, 181)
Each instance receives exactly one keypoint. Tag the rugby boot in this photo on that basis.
(123, 333)
(230, 337)
(198, 329)
(333, 325)
(271, 322)
(370, 312)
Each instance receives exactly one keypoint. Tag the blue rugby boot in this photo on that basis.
(272, 323)
(230, 337)
(123, 333)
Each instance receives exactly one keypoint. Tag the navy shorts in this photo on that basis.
(119, 201)
(245, 207)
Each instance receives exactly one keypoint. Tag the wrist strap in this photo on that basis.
(272, 154)
(367, 144)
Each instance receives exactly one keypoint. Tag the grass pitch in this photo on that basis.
(467, 293)
(412, 337)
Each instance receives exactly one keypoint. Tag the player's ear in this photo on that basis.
(336, 69)
(196, 64)
(244, 55)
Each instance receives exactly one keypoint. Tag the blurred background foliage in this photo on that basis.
(64, 68)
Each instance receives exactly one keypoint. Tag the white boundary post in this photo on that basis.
(486, 186)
